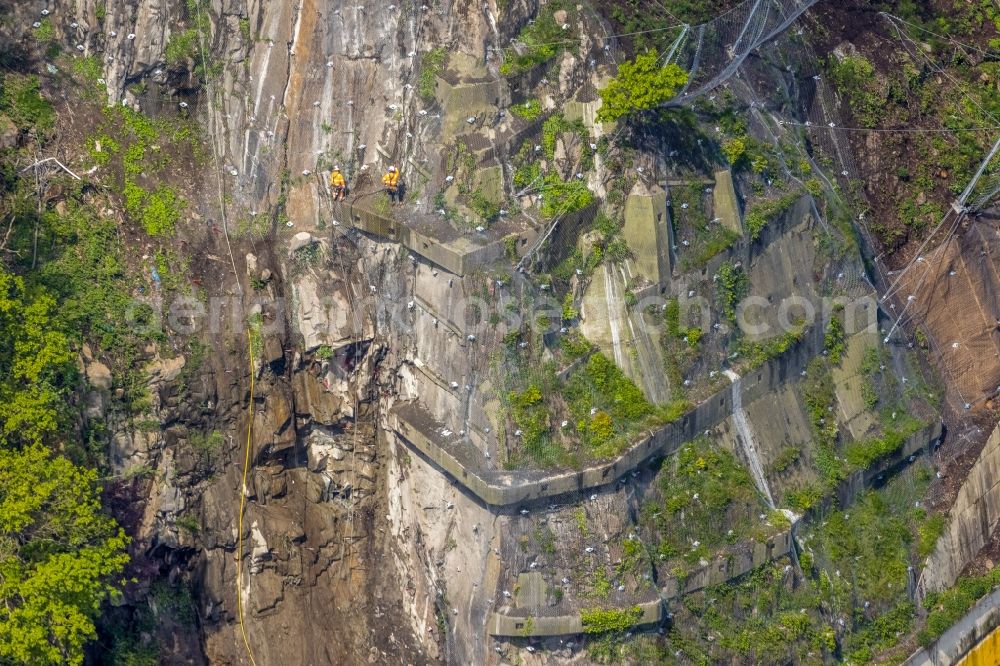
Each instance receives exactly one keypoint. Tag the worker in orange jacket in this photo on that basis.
(338, 184)
(391, 182)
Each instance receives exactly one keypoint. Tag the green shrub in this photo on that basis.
(574, 345)
(617, 250)
(880, 635)
(530, 414)
(863, 454)
(833, 341)
(732, 287)
(734, 150)
(672, 318)
(527, 174)
(563, 197)
(157, 211)
(44, 32)
(538, 42)
(599, 621)
(693, 337)
(188, 523)
(431, 64)
(181, 47)
(854, 77)
(530, 110)
(569, 311)
(482, 206)
(88, 67)
(207, 443)
(804, 498)
(553, 127)
(814, 186)
(22, 102)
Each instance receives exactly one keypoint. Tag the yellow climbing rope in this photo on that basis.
(243, 500)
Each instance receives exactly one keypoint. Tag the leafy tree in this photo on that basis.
(640, 85)
(734, 150)
(59, 557)
(35, 363)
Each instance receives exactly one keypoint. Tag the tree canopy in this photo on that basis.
(35, 363)
(639, 86)
(59, 557)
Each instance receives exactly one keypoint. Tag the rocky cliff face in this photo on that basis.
(395, 511)
(344, 543)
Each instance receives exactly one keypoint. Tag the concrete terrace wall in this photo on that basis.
(513, 626)
(973, 518)
(458, 256)
(958, 641)
(498, 488)
(504, 489)
(859, 481)
(738, 561)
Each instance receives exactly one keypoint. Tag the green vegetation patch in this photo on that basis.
(22, 102)
(181, 47)
(702, 493)
(62, 557)
(599, 621)
(140, 146)
(540, 41)
(761, 214)
(640, 85)
(946, 608)
(757, 353)
(605, 405)
(595, 413)
(431, 64)
(854, 76)
(732, 287)
(530, 110)
(865, 453)
(561, 197)
(705, 237)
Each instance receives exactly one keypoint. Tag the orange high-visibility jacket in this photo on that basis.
(391, 179)
(337, 179)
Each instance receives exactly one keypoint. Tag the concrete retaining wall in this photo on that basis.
(513, 626)
(497, 488)
(978, 624)
(741, 559)
(458, 256)
(503, 489)
(972, 520)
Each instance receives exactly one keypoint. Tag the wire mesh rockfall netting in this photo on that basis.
(942, 298)
(713, 52)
